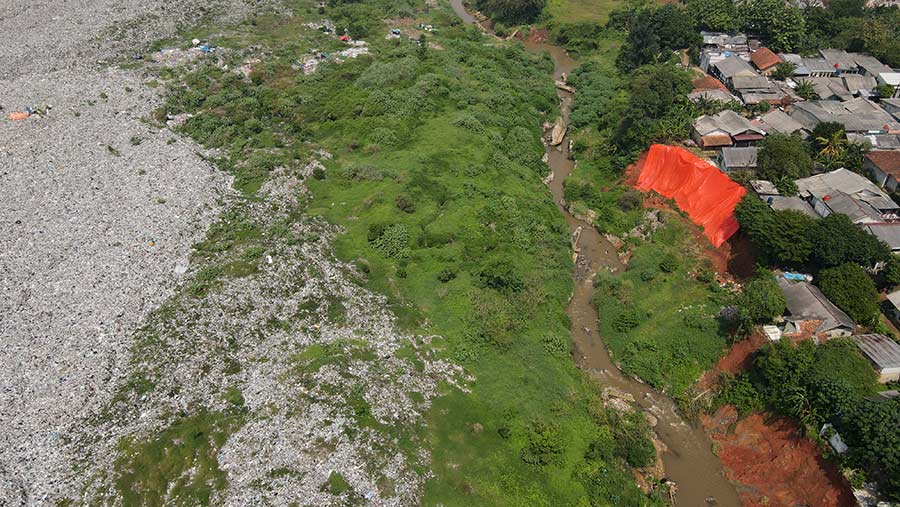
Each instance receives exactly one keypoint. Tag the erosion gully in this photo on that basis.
(688, 458)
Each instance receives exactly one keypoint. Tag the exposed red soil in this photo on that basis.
(772, 465)
(538, 35)
(738, 359)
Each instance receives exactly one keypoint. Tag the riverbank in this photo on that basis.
(687, 458)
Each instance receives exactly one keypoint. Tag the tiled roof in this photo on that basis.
(764, 58)
(887, 161)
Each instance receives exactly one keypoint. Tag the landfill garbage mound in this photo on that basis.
(698, 188)
(114, 347)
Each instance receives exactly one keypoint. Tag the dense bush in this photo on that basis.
(783, 156)
(852, 290)
(511, 11)
(500, 273)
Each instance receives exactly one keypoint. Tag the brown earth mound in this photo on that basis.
(772, 465)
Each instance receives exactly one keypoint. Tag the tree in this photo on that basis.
(781, 25)
(837, 240)
(783, 236)
(657, 107)
(784, 71)
(762, 299)
(806, 90)
(715, 15)
(783, 156)
(850, 288)
(885, 91)
(654, 34)
(892, 271)
(870, 429)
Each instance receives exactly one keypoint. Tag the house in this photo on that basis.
(756, 89)
(726, 128)
(876, 141)
(887, 232)
(890, 79)
(765, 60)
(716, 95)
(891, 106)
(731, 67)
(810, 314)
(818, 67)
(869, 65)
(858, 115)
(883, 353)
(794, 203)
(777, 120)
(842, 61)
(800, 70)
(843, 191)
(829, 88)
(884, 166)
(733, 159)
(893, 311)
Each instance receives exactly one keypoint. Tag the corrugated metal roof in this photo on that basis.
(779, 121)
(887, 232)
(736, 159)
(881, 350)
(794, 203)
(734, 66)
(806, 302)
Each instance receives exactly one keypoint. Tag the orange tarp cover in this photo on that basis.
(699, 188)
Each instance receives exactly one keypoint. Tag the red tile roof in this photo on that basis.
(887, 161)
(708, 83)
(764, 58)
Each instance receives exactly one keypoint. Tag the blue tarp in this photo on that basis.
(795, 276)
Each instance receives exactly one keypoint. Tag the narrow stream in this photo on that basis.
(689, 460)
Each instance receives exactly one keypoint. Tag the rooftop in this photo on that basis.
(806, 302)
(764, 58)
(888, 161)
(739, 158)
(779, 121)
(726, 121)
(781, 203)
(881, 350)
(887, 232)
(734, 66)
(842, 181)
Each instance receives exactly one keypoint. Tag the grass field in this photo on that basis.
(436, 181)
(573, 11)
(659, 317)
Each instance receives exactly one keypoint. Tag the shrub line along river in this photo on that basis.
(689, 460)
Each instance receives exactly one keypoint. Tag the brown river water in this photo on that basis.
(689, 460)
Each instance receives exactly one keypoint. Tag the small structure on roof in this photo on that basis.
(726, 128)
(733, 159)
(890, 79)
(810, 314)
(876, 141)
(891, 106)
(765, 60)
(884, 166)
(883, 353)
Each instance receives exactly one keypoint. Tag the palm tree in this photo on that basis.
(835, 145)
(806, 90)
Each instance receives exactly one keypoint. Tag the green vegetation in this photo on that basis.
(511, 11)
(852, 290)
(790, 238)
(783, 157)
(828, 383)
(178, 465)
(654, 33)
(657, 318)
(760, 301)
(436, 180)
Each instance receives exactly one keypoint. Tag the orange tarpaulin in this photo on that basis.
(699, 188)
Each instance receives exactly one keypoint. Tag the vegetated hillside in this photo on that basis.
(278, 373)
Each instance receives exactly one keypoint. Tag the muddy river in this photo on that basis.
(689, 460)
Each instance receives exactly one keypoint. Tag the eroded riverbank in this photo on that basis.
(688, 459)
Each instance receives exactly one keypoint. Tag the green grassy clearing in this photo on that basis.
(658, 317)
(574, 11)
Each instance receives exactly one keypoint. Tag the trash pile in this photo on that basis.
(309, 63)
(28, 112)
(172, 57)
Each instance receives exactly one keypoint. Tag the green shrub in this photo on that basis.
(544, 443)
(500, 273)
(405, 203)
(669, 263)
(392, 241)
(627, 320)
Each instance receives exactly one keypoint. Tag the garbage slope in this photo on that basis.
(698, 188)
